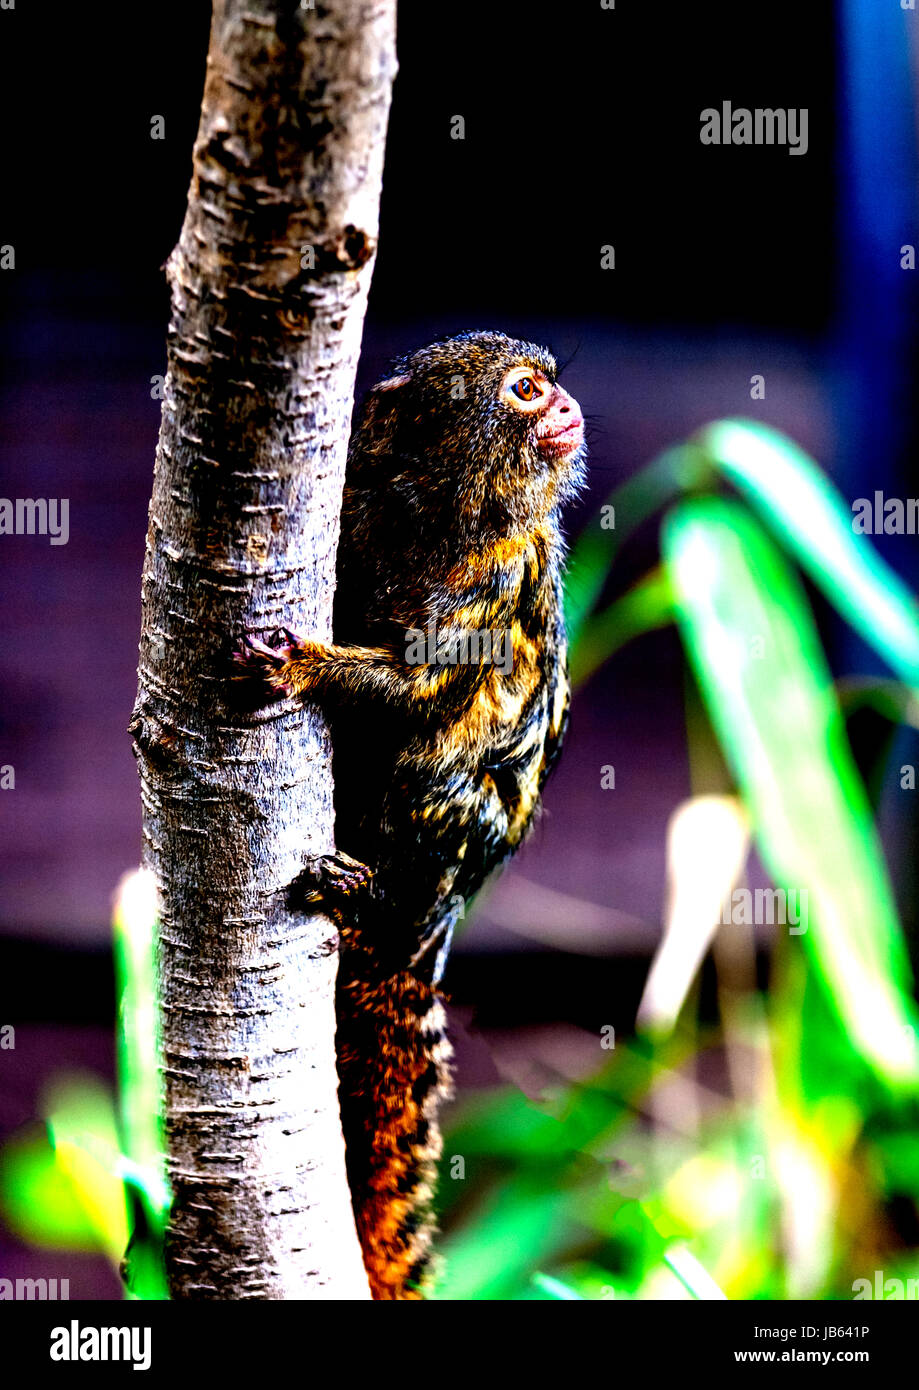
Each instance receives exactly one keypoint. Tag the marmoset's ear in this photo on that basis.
(379, 415)
(392, 383)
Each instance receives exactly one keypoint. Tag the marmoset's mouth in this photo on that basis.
(562, 442)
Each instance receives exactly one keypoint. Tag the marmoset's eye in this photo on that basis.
(525, 390)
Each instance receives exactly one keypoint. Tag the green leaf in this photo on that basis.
(40, 1204)
(691, 1273)
(759, 663)
(140, 1102)
(520, 1226)
(81, 1126)
(815, 522)
(554, 1288)
(140, 1098)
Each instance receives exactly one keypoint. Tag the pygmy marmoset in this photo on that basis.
(447, 697)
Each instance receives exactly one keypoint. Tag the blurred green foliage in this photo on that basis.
(797, 1175)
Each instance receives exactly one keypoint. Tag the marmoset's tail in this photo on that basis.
(394, 1071)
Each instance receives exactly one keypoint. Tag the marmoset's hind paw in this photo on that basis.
(331, 879)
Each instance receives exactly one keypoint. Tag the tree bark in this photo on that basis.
(268, 284)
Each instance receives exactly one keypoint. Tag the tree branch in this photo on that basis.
(268, 283)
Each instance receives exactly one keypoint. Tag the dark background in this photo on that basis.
(582, 129)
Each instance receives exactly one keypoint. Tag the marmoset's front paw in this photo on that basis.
(269, 662)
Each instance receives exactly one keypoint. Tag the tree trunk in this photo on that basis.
(269, 284)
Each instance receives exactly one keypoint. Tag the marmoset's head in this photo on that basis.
(480, 418)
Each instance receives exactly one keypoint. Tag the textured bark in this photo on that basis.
(243, 528)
